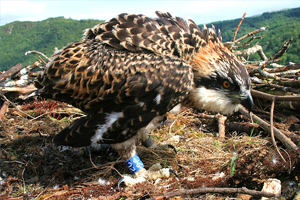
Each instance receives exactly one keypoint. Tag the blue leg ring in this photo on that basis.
(134, 164)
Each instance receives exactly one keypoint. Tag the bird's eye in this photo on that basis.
(226, 84)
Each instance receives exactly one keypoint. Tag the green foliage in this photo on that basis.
(19, 37)
(232, 165)
(283, 25)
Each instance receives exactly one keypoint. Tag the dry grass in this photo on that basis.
(31, 167)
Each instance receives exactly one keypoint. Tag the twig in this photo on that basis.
(271, 128)
(91, 159)
(282, 50)
(263, 95)
(221, 120)
(4, 109)
(251, 51)
(252, 33)
(12, 103)
(37, 52)
(242, 190)
(15, 69)
(264, 125)
(101, 166)
(238, 27)
(285, 89)
(284, 68)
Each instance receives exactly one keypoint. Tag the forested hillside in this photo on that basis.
(283, 25)
(18, 37)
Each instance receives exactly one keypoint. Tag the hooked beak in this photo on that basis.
(247, 102)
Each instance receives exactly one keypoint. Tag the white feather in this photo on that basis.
(102, 128)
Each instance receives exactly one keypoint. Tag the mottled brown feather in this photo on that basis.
(122, 66)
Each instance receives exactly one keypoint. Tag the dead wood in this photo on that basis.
(250, 51)
(275, 86)
(221, 120)
(282, 50)
(263, 95)
(238, 27)
(290, 83)
(283, 68)
(242, 190)
(21, 90)
(287, 142)
(243, 127)
(4, 109)
(37, 52)
(15, 69)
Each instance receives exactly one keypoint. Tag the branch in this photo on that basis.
(282, 50)
(37, 52)
(242, 190)
(238, 27)
(271, 129)
(284, 68)
(3, 109)
(15, 69)
(252, 50)
(264, 125)
(270, 97)
(252, 33)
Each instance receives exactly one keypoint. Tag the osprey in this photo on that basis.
(127, 73)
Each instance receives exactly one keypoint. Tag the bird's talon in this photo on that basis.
(173, 172)
(120, 181)
(172, 147)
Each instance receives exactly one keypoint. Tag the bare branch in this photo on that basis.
(250, 34)
(264, 125)
(282, 50)
(238, 27)
(216, 190)
(15, 69)
(37, 52)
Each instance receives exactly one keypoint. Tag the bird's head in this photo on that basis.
(221, 82)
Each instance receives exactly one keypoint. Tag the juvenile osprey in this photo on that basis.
(128, 72)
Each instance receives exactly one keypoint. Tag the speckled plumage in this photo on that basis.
(133, 69)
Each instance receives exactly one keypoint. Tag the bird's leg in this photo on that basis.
(148, 142)
(136, 166)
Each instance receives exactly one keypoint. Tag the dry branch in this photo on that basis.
(15, 69)
(264, 125)
(37, 52)
(250, 51)
(4, 109)
(21, 90)
(243, 127)
(250, 34)
(215, 190)
(283, 68)
(263, 95)
(238, 27)
(282, 50)
(221, 120)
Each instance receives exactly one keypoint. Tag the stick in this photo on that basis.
(4, 109)
(238, 27)
(252, 33)
(221, 120)
(271, 129)
(37, 52)
(282, 50)
(15, 69)
(263, 95)
(242, 190)
(287, 142)
(12, 103)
